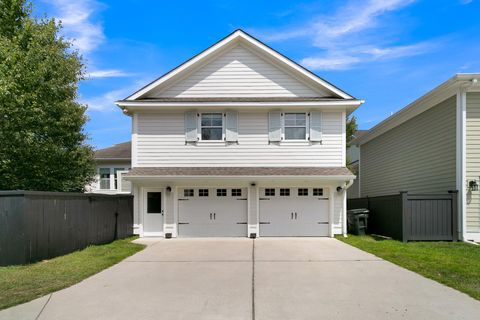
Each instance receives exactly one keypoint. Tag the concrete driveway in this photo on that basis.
(276, 278)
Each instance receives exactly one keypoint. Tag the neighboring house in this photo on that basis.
(239, 141)
(430, 146)
(111, 164)
(353, 156)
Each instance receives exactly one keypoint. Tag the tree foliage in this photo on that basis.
(352, 128)
(42, 139)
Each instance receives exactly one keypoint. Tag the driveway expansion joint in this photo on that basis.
(43, 308)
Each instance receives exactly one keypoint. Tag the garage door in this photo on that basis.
(212, 212)
(293, 212)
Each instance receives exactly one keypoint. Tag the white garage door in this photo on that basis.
(212, 212)
(293, 212)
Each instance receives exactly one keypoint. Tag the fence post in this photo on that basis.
(405, 216)
(454, 195)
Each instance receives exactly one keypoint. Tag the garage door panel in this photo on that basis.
(218, 212)
(293, 212)
(212, 230)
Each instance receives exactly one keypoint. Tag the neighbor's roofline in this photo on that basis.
(438, 94)
(222, 42)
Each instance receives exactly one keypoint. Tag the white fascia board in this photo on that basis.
(246, 178)
(132, 106)
(429, 100)
(235, 36)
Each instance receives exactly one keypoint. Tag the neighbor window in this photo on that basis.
(270, 192)
(284, 192)
(115, 170)
(302, 191)
(236, 192)
(188, 193)
(295, 126)
(221, 192)
(317, 191)
(104, 178)
(212, 126)
(203, 192)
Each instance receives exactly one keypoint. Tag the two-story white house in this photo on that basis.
(239, 141)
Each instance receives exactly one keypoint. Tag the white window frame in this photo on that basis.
(111, 177)
(307, 127)
(199, 126)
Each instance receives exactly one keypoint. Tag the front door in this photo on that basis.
(153, 213)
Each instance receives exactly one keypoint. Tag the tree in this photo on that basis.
(42, 139)
(351, 129)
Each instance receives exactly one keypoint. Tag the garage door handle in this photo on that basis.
(241, 223)
(214, 216)
(264, 198)
(183, 223)
(264, 222)
(295, 216)
(210, 216)
(291, 215)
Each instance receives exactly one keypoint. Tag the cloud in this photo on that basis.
(347, 58)
(353, 35)
(105, 102)
(78, 23)
(109, 73)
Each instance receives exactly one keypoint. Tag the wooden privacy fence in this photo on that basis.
(42, 225)
(412, 217)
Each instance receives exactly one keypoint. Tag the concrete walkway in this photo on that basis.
(276, 278)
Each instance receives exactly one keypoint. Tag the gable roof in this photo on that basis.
(119, 151)
(449, 88)
(248, 40)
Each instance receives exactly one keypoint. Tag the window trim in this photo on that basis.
(236, 189)
(317, 195)
(190, 194)
(269, 195)
(302, 189)
(287, 192)
(307, 127)
(199, 125)
(202, 195)
(220, 192)
(111, 178)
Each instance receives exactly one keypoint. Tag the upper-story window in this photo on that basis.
(295, 126)
(211, 126)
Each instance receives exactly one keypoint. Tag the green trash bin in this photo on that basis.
(357, 220)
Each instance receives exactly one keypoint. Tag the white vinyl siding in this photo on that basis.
(238, 72)
(418, 156)
(473, 161)
(161, 142)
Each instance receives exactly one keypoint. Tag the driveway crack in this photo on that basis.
(43, 308)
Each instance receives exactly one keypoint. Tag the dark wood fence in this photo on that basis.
(412, 217)
(41, 225)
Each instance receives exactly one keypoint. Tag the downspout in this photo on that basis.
(344, 218)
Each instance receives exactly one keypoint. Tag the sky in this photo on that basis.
(387, 52)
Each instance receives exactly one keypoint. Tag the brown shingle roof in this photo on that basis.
(239, 171)
(118, 151)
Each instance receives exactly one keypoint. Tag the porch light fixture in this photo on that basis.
(169, 189)
(339, 189)
(473, 185)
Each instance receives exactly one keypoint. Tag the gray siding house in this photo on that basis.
(430, 146)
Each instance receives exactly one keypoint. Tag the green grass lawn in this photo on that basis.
(454, 264)
(20, 284)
